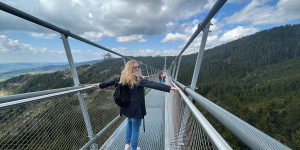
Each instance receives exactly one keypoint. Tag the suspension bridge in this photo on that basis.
(82, 117)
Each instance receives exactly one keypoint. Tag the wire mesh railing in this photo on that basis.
(56, 122)
(184, 136)
(251, 136)
(186, 130)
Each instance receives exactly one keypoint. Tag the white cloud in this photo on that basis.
(15, 47)
(188, 29)
(138, 52)
(43, 35)
(235, 1)
(56, 51)
(212, 41)
(94, 36)
(85, 55)
(145, 52)
(142, 40)
(236, 33)
(110, 18)
(170, 52)
(217, 27)
(288, 9)
(131, 38)
(170, 37)
(260, 13)
(15, 51)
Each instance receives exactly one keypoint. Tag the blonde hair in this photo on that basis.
(127, 77)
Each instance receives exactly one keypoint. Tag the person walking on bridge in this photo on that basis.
(135, 110)
(160, 78)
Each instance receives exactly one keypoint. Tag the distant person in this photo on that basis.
(164, 76)
(136, 109)
(160, 78)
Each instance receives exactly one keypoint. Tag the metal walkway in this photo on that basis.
(154, 122)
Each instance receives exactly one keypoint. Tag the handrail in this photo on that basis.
(216, 139)
(251, 136)
(5, 99)
(34, 96)
(217, 6)
(40, 94)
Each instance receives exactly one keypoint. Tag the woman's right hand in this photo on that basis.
(175, 89)
(96, 86)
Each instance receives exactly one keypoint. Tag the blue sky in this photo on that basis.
(133, 28)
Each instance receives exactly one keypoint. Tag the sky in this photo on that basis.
(132, 27)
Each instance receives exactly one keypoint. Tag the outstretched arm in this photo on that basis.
(157, 86)
(106, 83)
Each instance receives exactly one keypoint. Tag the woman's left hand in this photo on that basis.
(175, 89)
(96, 86)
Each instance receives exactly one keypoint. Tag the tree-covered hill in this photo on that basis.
(256, 78)
(239, 57)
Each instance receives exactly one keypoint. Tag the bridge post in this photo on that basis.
(174, 69)
(200, 56)
(140, 70)
(165, 66)
(147, 72)
(178, 65)
(80, 95)
(194, 80)
(124, 61)
(170, 70)
(151, 71)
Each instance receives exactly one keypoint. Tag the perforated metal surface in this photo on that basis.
(152, 139)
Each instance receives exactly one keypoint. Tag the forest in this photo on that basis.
(257, 78)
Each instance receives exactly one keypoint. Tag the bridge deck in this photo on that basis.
(154, 122)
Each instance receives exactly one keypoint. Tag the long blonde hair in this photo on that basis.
(128, 77)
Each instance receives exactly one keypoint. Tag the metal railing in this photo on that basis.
(251, 136)
(55, 121)
(196, 132)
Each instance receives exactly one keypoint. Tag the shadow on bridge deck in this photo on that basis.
(154, 122)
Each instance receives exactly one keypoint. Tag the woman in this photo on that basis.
(136, 110)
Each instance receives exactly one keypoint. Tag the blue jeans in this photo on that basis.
(132, 132)
(161, 80)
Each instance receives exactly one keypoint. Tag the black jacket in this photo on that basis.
(137, 109)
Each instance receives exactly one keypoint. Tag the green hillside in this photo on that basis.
(257, 78)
